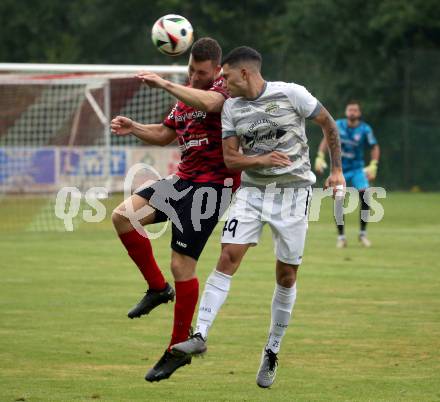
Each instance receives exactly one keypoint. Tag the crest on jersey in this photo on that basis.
(272, 107)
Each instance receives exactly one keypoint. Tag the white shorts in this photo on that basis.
(286, 211)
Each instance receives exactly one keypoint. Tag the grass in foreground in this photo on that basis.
(366, 325)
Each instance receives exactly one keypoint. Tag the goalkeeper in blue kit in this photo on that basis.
(355, 136)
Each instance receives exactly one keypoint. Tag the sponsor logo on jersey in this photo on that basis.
(272, 108)
(196, 115)
(193, 143)
(244, 110)
(261, 123)
(262, 130)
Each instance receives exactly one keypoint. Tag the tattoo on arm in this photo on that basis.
(332, 136)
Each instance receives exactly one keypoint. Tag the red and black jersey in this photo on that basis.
(200, 142)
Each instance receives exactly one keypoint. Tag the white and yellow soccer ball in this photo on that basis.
(172, 34)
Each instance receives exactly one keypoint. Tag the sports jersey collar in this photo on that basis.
(353, 128)
(261, 93)
(218, 78)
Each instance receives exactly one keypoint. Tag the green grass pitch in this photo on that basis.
(366, 325)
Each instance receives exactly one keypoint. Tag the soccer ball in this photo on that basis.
(172, 34)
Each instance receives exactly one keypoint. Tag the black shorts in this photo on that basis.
(193, 208)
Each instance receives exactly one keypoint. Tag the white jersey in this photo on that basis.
(274, 121)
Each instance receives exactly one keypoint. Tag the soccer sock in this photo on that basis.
(364, 210)
(338, 220)
(215, 293)
(187, 294)
(282, 305)
(341, 231)
(140, 250)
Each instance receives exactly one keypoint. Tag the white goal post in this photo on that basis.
(55, 127)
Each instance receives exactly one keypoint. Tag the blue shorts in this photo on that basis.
(356, 178)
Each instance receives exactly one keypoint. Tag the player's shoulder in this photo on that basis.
(296, 93)
(341, 124)
(366, 127)
(229, 103)
(285, 86)
(178, 106)
(219, 84)
(181, 107)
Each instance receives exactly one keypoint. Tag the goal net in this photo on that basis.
(55, 134)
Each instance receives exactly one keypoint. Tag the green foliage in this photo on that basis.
(382, 52)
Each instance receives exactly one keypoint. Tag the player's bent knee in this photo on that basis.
(176, 267)
(286, 274)
(182, 267)
(286, 281)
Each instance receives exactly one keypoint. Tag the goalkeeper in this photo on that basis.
(355, 135)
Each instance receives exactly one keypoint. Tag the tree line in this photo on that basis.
(385, 53)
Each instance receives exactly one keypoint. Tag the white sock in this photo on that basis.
(214, 295)
(282, 306)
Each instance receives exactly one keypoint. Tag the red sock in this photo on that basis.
(140, 251)
(187, 294)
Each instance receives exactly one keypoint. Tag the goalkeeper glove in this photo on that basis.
(320, 163)
(371, 169)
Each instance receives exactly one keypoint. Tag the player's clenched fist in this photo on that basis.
(121, 125)
(336, 181)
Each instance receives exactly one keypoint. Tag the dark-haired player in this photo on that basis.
(201, 178)
(267, 121)
(355, 135)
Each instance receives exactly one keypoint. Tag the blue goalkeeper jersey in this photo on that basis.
(353, 142)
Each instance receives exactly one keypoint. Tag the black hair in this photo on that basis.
(354, 102)
(243, 54)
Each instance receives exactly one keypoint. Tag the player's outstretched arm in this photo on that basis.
(206, 101)
(153, 134)
(235, 160)
(331, 135)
